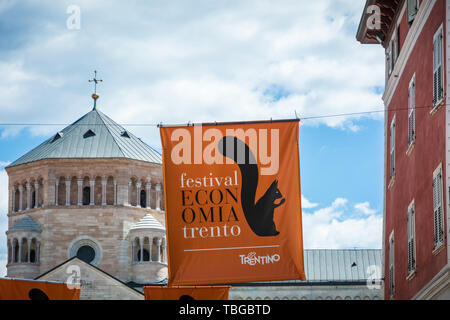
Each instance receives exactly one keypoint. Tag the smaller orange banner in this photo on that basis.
(187, 293)
(13, 289)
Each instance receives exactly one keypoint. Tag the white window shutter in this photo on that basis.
(391, 266)
(438, 89)
(438, 209)
(392, 151)
(412, 9)
(411, 113)
(411, 240)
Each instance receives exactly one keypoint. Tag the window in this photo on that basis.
(88, 134)
(143, 199)
(392, 150)
(411, 239)
(411, 110)
(393, 50)
(438, 208)
(57, 136)
(390, 59)
(391, 265)
(86, 253)
(412, 8)
(86, 196)
(438, 88)
(395, 46)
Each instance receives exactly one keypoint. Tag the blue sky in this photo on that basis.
(180, 61)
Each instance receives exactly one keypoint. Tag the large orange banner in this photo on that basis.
(232, 199)
(187, 293)
(14, 289)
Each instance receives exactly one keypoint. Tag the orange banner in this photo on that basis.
(14, 289)
(232, 196)
(187, 293)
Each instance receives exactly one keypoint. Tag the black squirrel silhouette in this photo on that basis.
(259, 216)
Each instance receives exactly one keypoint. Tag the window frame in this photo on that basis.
(438, 203)
(412, 111)
(438, 57)
(410, 15)
(411, 221)
(391, 265)
(392, 148)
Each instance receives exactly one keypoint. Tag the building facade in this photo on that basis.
(92, 191)
(416, 253)
(86, 206)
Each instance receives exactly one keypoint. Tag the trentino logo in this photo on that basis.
(252, 259)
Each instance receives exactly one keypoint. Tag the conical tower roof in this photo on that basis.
(148, 222)
(94, 135)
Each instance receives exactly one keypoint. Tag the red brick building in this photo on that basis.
(416, 227)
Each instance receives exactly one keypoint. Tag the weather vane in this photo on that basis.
(95, 95)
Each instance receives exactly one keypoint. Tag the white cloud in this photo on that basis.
(3, 216)
(3, 260)
(364, 207)
(306, 204)
(335, 227)
(178, 62)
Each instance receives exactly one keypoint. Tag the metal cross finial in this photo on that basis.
(95, 80)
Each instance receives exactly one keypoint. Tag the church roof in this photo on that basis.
(26, 223)
(94, 135)
(148, 222)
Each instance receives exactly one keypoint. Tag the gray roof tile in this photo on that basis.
(26, 223)
(106, 143)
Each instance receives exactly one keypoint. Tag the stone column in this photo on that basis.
(104, 181)
(138, 194)
(20, 198)
(129, 193)
(163, 247)
(158, 196)
(13, 205)
(133, 251)
(150, 242)
(67, 192)
(28, 196)
(115, 192)
(20, 251)
(141, 243)
(122, 192)
(56, 191)
(148, 189)
(92, 186)
(29, 250)
(13, 251)
(45, 193)
(80, 192)
(158, 249)
(36, 192)
(38, 252)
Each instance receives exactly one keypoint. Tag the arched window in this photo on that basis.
(137, 250)
(86, 196)
(9, 251)
(33, 251)
(86, 253)
(24, 253)
(143, 199)
(16, 250)
(33, 199)
(16, 200)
